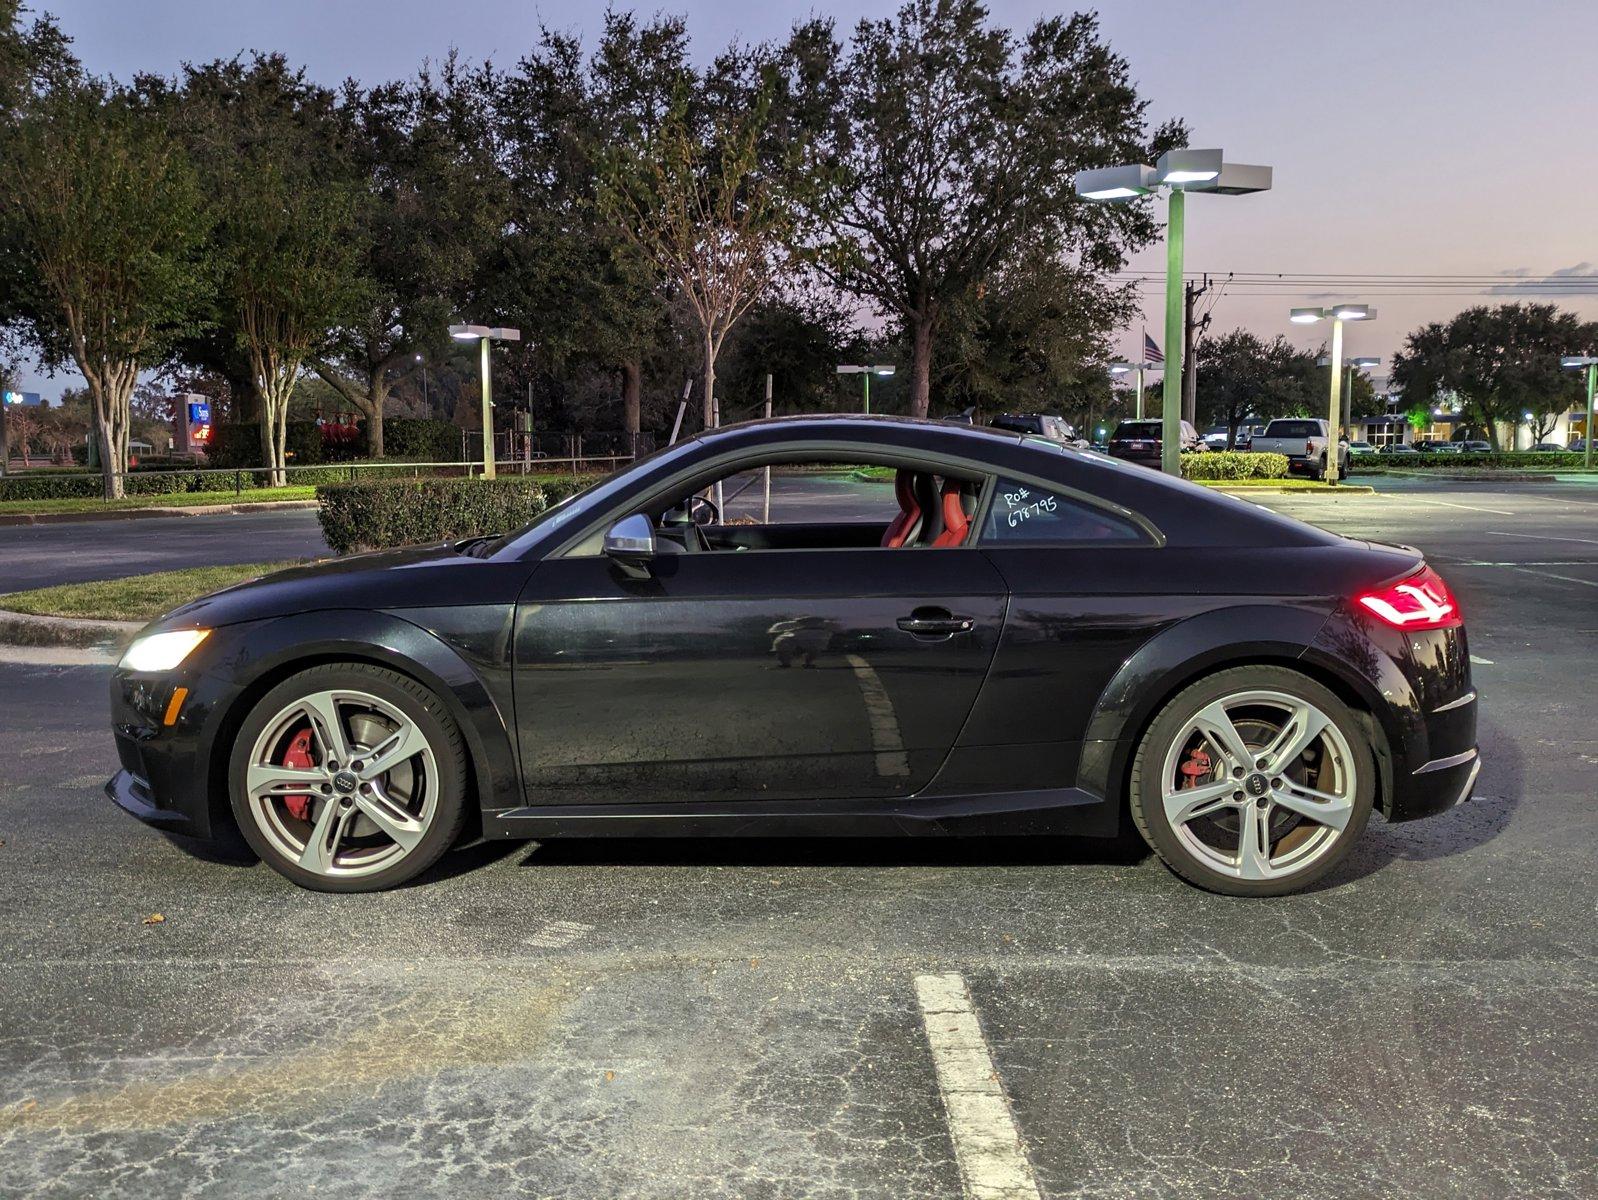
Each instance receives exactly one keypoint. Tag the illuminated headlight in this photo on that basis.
(162, 651)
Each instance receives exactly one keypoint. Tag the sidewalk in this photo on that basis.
(133, 514)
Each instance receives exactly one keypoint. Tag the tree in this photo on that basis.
(1498, 362)
(110, 231)
(954, 141)
(431, 213)
(286, 194)
(1033, 337)
(1242, 376)
(695, 200)
(565, 267)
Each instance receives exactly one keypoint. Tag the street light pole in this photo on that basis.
(1171, 391)
(1591, 363)
(483, 335)
(1179, 171)
(1338, 314)
(865, 373)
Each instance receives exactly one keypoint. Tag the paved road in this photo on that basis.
(743, 1019)
(38, 555)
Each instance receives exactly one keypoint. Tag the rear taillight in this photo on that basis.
(1420, 601)
(1309, 448)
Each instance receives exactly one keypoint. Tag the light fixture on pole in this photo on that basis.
(1576, 362)
(865, 373)
(1136, 369)
(1179, 171)
(485, 336)
(1337, 314)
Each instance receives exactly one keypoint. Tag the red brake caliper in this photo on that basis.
(1196, 767)
(298, 754)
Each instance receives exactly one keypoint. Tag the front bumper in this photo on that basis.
(165, 780)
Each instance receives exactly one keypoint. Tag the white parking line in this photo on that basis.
(557, 935)
(987, 1145)
(1497, 512)
(1543, 537)
(1481, 662)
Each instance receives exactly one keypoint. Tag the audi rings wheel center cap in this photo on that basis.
(1256, 784)
(345, 782)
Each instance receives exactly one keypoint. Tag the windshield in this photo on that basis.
(1138, 429)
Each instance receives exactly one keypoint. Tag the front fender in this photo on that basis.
(1277, 632)
(273, 649)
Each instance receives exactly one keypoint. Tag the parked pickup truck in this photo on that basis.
(1303, 441)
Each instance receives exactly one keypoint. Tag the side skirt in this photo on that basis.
(1056, 811)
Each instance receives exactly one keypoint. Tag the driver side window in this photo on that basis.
(823, 506)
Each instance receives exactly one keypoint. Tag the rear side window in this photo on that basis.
(1023, 513)
(1293, 429)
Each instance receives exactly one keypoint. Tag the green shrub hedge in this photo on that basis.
(1517, 460)
(374, 514)
(1233, 464)
(65, 484)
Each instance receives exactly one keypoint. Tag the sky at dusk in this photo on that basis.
(1408, 137)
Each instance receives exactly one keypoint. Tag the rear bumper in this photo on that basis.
(1438, 786)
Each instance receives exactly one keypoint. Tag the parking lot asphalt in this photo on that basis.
(746, 1018)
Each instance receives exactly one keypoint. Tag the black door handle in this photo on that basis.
(935, 622)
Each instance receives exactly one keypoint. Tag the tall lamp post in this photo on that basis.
(484, 336)
(1130, 368)
(865, 373)
(1351, 366)
(1337, 314)
(1179, 171)
(1576, 362)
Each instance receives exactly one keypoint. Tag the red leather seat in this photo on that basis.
(904, 527)
(956, 522)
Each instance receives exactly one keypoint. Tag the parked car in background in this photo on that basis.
(1448, 448)
(1303, 440)
(1398, 450)
(1216, 439)
(1577, 444)
(1475, 447)
(1056, 429)
(1546, 447)
(1357, 449)
(1139, 441)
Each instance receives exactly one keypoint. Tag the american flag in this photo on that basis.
(1151, 351)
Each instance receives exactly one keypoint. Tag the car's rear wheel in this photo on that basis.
(349, 778)
(1255, 781)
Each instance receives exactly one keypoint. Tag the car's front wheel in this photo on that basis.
(349, 778)
(1254, 781)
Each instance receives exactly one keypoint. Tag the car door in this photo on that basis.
(751, 674)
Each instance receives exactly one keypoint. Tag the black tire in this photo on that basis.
(1144, 789)
(416, 702)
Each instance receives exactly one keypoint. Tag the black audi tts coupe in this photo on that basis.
(1026, 638)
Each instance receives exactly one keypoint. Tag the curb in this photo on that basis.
(134, 514)
(1342, 489)
(27, 629)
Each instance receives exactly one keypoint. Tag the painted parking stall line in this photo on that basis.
(987, 1144)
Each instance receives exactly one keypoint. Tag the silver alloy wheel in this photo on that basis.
(1268, 789)
(368, 797)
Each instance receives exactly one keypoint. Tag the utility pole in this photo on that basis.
(1192, 330)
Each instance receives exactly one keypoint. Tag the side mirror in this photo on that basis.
(631, 542)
